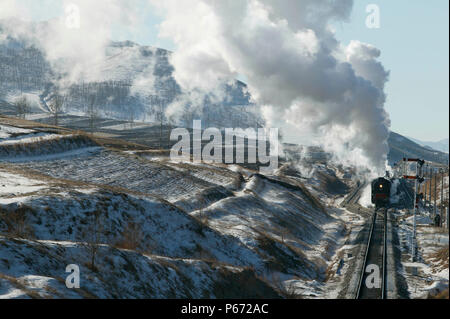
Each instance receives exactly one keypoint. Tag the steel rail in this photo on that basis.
(383, 279)
(366, 254)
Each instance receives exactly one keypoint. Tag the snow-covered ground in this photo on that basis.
(167, 261)
(37, 116)
(429, 274)
(198, 224)
(366, 199)
(6, 131)
(24, 145)
(14, 188)
(119, 273)
(275, 228)
(29, 138)
(32, 98)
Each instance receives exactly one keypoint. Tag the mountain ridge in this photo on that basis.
(441, 145)
(124, 92)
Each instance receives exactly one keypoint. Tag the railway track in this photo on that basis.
(354, 196)
(372, 281)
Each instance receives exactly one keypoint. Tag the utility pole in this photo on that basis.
(413, 242)
(448, 214)
(447, 200)
(442, 209)
(417, 181)
(425, 187)
(435, 193)
(405, 168)
(431, 180)
(448, 217)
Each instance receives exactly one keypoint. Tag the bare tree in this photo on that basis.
(22, 107)
(189, 116)
(160, 116)
(56, 107)
(131, 236)
(17, 222)
(170, 124)
(284, 232)
(131, 116)
(93, 236)
(92, 113)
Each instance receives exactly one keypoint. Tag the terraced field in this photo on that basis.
(167, 180)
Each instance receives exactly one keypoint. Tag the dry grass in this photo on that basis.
(16, 222)
(243, 285)
(21, 286)
(330, 273)
(203, 217)
(65, 183)
(131, 237)
(117, 144)
(287, 291)
(29, 124)
(440, 295)
(441, 258)
(43, 146)
(102, 141)
(82, 292)
(297, 186)
(436, 181)
(279, 259)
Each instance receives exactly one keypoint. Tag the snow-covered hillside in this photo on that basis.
(441, 145)
(400, 147)
(131, 82)
(139, 225)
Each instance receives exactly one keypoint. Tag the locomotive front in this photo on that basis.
(381, 191)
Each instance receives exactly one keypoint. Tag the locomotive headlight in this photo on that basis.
(381, 185)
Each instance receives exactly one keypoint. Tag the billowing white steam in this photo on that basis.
(295, 68)
(74, 43)
(366, 197)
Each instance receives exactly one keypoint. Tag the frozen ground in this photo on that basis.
(7, 131)
(119, 274)
(177, 229)
(56, 221)
(29, 138)
(282, 230)
(429, 274)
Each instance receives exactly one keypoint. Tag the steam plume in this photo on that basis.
(295, 68)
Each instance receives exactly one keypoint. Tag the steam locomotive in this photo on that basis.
(381, 191)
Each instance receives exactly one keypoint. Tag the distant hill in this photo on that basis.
(132, 82)
(400, 146)
(119, 88)
(441, 145)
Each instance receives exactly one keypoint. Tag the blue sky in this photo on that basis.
(413, 39)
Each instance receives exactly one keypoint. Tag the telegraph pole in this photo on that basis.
(413, 243)
(431, 180)
(442, 209)
(435, 193)
(417, 181)
(425, 186)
